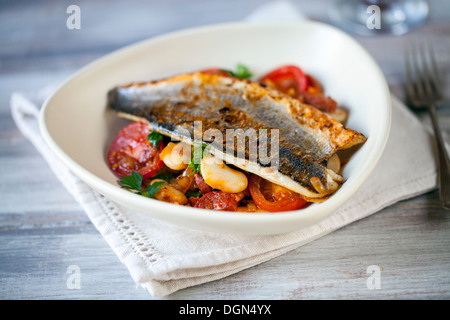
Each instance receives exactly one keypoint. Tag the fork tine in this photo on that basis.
(420, 84)
(434, 72)
(409, 77)
(422, 87)
(423, 82)
(429, 86)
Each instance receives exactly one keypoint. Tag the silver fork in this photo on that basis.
(424, 90)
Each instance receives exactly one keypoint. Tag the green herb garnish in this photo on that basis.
(195, 194)
(163, 176)
(133, 182)
(241, 72)
(195, 167)
(154, 187)
(198, 151)
(154, 138)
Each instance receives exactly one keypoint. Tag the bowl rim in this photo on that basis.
(202, 216)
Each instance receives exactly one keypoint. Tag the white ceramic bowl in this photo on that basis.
(78, 128)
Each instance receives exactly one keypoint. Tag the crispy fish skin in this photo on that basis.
(307, 136)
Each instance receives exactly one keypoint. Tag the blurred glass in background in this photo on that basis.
(374, 17)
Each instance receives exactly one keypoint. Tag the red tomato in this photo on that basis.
(291, 80)
(217, 200)
(288, 79)
(272, 197)
(131, 151)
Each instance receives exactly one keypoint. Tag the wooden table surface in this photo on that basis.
(43, 230)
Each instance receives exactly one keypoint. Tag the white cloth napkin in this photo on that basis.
(164, 258)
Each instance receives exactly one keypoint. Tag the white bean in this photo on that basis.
(219, 176)
(169, 193)
(176, 155)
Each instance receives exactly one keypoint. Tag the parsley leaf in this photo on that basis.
(163, 176)
(241, 72)
(198, 151)
(132, 182)
(195, 194)
(154, 187)
(154, 138)
(195, 167)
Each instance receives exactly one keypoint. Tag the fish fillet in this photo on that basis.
(306, 137)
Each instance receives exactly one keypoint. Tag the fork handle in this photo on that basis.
(444, 164)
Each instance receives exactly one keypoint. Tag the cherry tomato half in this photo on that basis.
(293, 81)
(288, 79)
(131, 151)
(272, 197)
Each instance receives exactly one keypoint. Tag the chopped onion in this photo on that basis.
(318, 185)
(340, 114)
(334, 163)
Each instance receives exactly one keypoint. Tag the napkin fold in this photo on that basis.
(164, 258)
